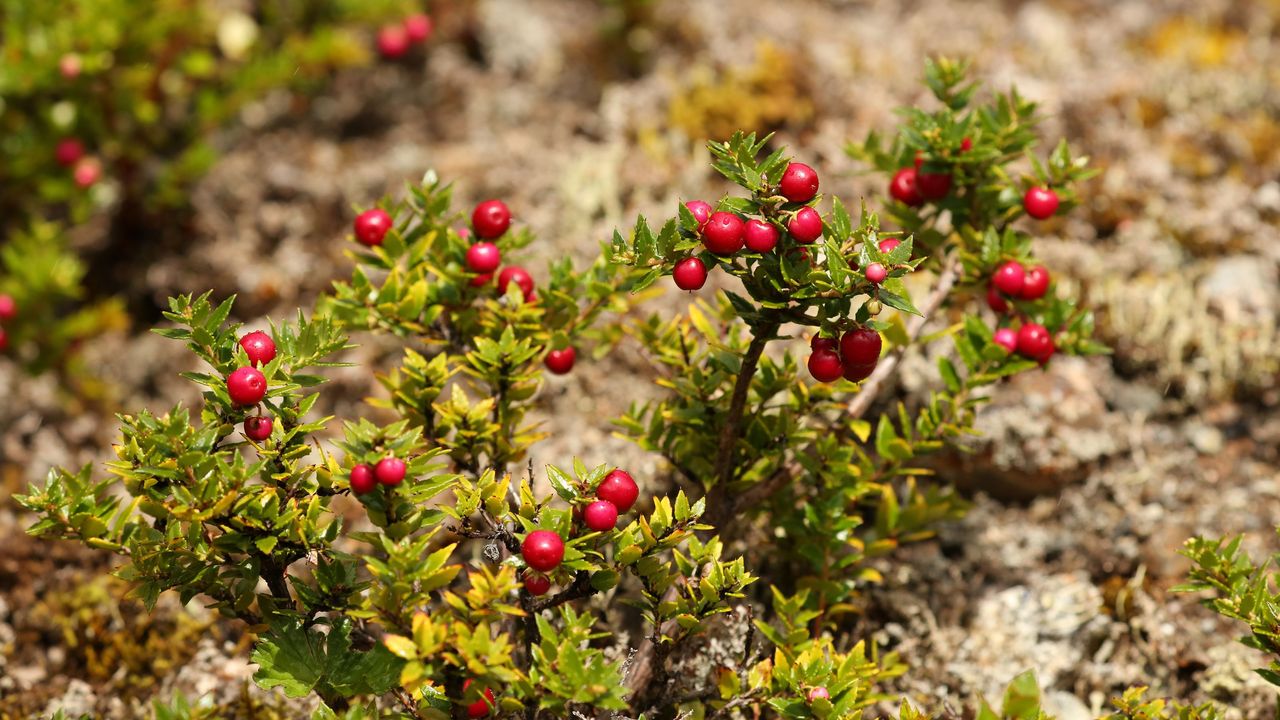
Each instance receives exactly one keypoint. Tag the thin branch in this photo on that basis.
(723, 472)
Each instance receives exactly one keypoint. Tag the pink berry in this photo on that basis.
(600, 516)
(903, 188)
(1006, 338)
(825, 365)
(760, 236)
(417, 28)
(560, 362)
(876, 273)
(995, 300)
(68, 152)
(519, 276)
(258, 427)
(542, 550)
(889, 244)
(371, 226)
(619, 488)
(69, 66)
(806, 226)
(8, 308)
(1037, 283)
(259, 346)
(87, 172)
(390, 470)
(819, 693)
(860, 346)
(491, 219)
(701, 212)
(857, 372)
(1009, 278)
(799, 183)
(362, 479)
(690, 274)
(393, 42)
(483, 257)
(536, 583)
(723, 233)
(246, 386)
(1040, 203)
(1035, 342)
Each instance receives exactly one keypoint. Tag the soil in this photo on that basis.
(1089, 476)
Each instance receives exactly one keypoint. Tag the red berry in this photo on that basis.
(519, 276)
(8, 308)
(69, 66)
(542, 550)
(600, 516)
(966, 145)
(482, 280)
(933, 186)
(87, 172)
(701, 212)
(995, 300)
(799, 183)
(1040, 203)
(903, 188)
(393, 42)
(690, 274)
(760, 236)
(389, 471)
(246, 386)
(819, 693)
(560, 362)
(1035, 342)
(825, 366)
(491, 219)
(1037, 283)
(723, 233)
(536, 583)
(479, 708)
(876, 273)
(68, 152)
(806, 226)
(817, 342)
(258, 427)
(1009, 278)
(483, 257)
(417, 28)
(1006, 338)
(371, 226)
(889, 244)
(259, 346)
(857, 372)
(619, 488)
(4, 340)
(362, 479)
(860, 346)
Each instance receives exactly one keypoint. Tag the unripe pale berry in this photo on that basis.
(903, 187)
(519, 276)
(390, 471)
(87, 172)
(1040, 203)
(860, 346)
(417, 28)
(857, 372)
(819, 693)
(690, 274)
(480, 708)
(701, 212)
(1009, 278)
(1037, 283)
(259, 346)
(68, 152)
(362, 479)
(490, 219)
(799, 183)
(825, 365)
(760, 236)
(560, 362)
(8, 308)
(542, 550)
(483, 257)
(876, 273)
(723, 233)
(889, 244)
(619, 488)
(1035, 342)
(874, 307)
(536, 583)
(995, 300)
(258, 427)
(371, 226)
(1006, 338)
(806, 226)
(393, 42)
(246, 386)
(600, 516)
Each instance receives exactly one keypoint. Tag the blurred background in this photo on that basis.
(581, 114)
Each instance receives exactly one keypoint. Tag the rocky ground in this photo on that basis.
(1089, 476)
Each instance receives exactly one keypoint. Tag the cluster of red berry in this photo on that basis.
(389, 471)
(1012, 281)
(395, 41)
(913, 187)
(8, 311)
(85, 170)
(246, 386)
(543, 550)
(853, 356)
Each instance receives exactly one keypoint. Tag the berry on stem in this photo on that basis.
(1035, 342)
(519, 276)
(483, 258)
(1040, 203)
(417, 28)
(390, 471)
(1006, 338)
(68, 152)
(362, 479)
(393, 42)
(480, 708)
(825, 366)
(246, 386)
(600, 516)
(490, 219)
(259, 346)
(760, 236)
(903, 188)
(806, 226)
(860, 346)
(799, 182)
(536, 583)
(560, 362)
(1037, 283)
(701, 212)
(723, 233)
(619, 488)
(542, 550)
(8, 308)
(1009, 278)
(876, 273)
(995, 300)
(690, 274)
(258, 427)
(371, 226)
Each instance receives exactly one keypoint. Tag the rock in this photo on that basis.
(1240, 286)
(1065, 706)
